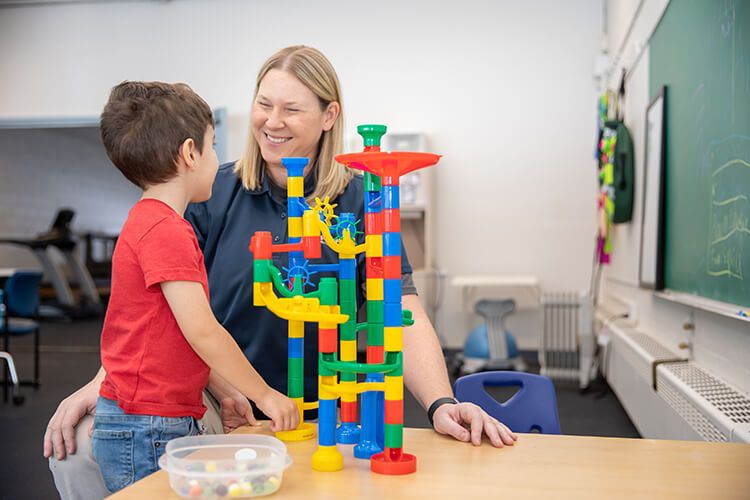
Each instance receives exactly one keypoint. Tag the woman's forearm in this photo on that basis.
(425, 373)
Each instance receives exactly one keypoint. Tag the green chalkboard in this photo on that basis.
(701, 52)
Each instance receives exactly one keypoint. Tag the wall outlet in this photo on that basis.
(632, 312)
(629, 307)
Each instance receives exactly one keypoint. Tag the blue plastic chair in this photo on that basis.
(20, 314)
(532, 408)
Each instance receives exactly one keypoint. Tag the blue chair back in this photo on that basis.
(532, 408)
(22, 294)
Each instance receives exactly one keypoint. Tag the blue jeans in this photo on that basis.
(128, 447)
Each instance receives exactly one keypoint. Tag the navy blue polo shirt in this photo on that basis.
(224, 225)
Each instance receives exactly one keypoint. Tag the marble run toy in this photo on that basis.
(332, 304)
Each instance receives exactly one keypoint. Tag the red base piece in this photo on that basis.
(406, 464)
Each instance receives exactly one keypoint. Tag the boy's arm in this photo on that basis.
(217, 348)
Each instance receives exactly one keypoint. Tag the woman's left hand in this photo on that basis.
(236, 412)
(467, 422)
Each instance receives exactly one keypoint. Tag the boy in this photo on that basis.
(160, 339)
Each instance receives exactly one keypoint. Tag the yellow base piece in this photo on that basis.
(303, 432)
(327, 459)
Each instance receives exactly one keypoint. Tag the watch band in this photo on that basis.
(437, 404)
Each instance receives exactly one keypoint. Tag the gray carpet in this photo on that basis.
(24, 473)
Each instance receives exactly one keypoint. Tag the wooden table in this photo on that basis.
(538, 466)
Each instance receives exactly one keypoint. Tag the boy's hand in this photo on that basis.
(280, 409)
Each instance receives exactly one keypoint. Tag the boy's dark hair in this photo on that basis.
(144, 124)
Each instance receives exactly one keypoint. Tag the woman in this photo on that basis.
(296, 112)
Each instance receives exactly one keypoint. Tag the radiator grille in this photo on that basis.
(734, 405)
(698, 405)
(567, 343)
(689, 413)
(651, 346)
(642, 351)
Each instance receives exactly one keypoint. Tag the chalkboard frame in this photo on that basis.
(647, 280)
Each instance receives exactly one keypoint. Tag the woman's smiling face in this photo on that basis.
(288, 119)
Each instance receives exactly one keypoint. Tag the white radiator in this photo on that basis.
(567, 344)
(668, 397)
(714, 409)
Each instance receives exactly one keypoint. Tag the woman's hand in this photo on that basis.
(60, 436)
(467, 421)
(235, 407)
(236, 412)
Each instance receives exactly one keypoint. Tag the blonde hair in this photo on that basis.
(311, 68)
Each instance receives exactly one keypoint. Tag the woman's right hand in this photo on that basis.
(280, 409)
(60, 436)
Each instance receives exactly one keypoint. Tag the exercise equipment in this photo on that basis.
(490, 346)
(61, 237)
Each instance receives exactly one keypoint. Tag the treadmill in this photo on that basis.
(60, 236)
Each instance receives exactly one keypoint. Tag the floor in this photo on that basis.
(70, 358)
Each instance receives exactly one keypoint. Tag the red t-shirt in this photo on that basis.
(151, 368)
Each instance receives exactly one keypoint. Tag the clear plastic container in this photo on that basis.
(225, 466)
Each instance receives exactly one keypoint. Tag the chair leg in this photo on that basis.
(6, 345)
(11, 370)
(5, 381)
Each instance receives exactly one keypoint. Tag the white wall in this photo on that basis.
(503, 89)
(720, 345)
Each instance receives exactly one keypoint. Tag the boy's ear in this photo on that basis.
(187, 153)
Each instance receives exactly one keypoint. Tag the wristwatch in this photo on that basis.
(437, 404)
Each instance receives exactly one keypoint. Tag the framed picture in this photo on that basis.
(651, 270)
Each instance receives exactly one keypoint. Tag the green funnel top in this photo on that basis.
(371, 134)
